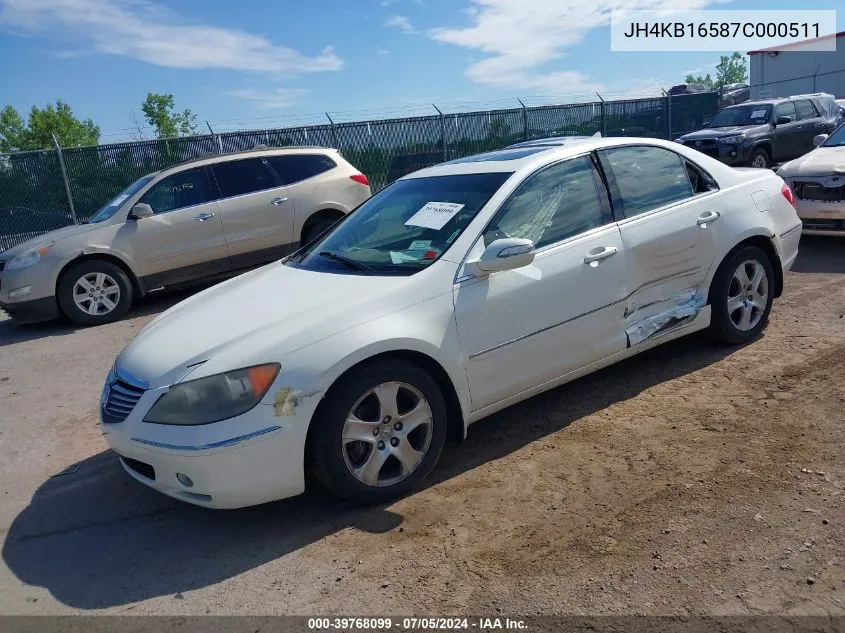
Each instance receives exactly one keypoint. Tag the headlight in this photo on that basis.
(29, 258)
(213, 398)
(679, 140)
(733, 140)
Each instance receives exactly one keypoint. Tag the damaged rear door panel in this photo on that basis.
(667, 233)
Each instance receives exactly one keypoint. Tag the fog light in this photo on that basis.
(733, 154)
(17, 293)
(185, 480)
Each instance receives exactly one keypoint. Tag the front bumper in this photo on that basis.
(32, 311)
(248, 460)
(729, 154)
(39, 304)
(820, 217)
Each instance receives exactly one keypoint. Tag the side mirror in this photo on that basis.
(819, 139)
(505, 254)
(781, 120)
(705, 124)
(140, 211)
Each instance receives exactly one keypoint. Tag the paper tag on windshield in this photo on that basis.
(398, 257)
(758, 114)
(434, 215)
(119, 200)
(419, 244)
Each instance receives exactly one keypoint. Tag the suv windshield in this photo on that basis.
(109, 210)
(403, 228)
(742, 115)
(836, 139)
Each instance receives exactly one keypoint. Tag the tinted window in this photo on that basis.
(700, 180)
(237, 177)
(295, 168)
(552, 205)
(787, 108)
(185, 189)
(806, 110)
(647, 177)
(752, 114)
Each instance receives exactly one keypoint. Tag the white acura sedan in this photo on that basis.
(455, 292)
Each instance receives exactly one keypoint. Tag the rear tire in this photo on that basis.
(741, 296)
(318, 228)
(94, 292)
(379, 432)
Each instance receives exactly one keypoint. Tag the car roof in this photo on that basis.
(208, 159)
(515, 159)
(552, 141)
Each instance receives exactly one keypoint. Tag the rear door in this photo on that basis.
(786, 137)
(184, 239)
(257, 211)
(812, 123)
(666, 210)
(309, 184)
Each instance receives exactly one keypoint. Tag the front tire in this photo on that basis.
(379, 432)
(94, 292)
(760, 159)
(741, 296)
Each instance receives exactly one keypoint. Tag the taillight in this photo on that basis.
(786, 190)
(361, 178)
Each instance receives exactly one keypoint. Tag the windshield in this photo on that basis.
(403, 228)
(836, 139)
(109, 210)
(742, 115)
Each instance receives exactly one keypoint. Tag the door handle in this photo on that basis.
(598, 254)
(707, 216)
(278, 201)
(202, 217)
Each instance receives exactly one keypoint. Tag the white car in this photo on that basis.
(818, 182)
(454, 292)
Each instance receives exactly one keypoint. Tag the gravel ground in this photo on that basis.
(691, 479)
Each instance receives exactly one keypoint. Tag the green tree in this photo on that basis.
(41, 125)
(731, 69)
(159, 112)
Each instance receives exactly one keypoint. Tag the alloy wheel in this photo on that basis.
(748, 295)
(387, 434)
(96, 294)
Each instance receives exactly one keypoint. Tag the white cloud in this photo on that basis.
(399, 22)
(383, 52)
(279, 98)
(387, 3)
(149, 32)
(520, 38)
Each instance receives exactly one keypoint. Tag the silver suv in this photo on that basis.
(201, 218)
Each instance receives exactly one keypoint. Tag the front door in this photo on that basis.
(786, 139)
(257, 211)
(523, 327)
(668, 215)
(184, 239)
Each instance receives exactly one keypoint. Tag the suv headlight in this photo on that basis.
(29, 258)
(213, 398)
(733, 140)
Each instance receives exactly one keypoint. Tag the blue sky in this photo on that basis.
(261, 63)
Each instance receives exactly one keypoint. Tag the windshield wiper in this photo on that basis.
(351, 263)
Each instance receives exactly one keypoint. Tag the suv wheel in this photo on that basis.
(760, 159)
(94, 292)
(318, 228)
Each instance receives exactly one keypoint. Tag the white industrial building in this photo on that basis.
(791, 69)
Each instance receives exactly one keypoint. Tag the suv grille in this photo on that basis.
(705, 146)
(818, 193)
(121, 399)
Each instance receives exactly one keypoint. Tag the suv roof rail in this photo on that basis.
(810, 94)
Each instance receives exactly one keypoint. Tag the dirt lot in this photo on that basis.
(692, 479)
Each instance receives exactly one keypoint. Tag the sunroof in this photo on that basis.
(505, 154)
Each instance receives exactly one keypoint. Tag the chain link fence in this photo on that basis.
(36, 196)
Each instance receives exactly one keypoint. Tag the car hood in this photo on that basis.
(53, 236)
(275, 309)
(716, 132)
(822, 161)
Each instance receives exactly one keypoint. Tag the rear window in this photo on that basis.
(297, 167)
(806, 110)
(239, 177)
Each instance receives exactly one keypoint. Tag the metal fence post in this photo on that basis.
(65, 179)
(442, 133)
(524, 120)
(215, 140)
(668, 115)
(334, 131)
(603, 121)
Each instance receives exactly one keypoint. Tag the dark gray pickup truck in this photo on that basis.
(761, 133)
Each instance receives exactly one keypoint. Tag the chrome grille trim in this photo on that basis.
(124, 391)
